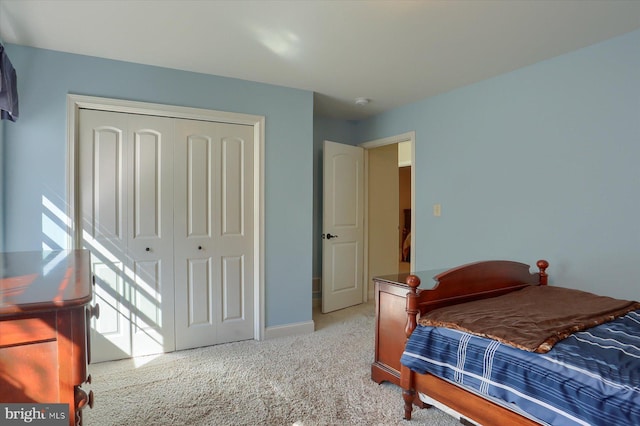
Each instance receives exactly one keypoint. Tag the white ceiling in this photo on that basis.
(393, 52)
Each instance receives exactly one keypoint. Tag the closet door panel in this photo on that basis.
(103, 139)
(126, 198)
(198, 171)
(196, 179)
(199, 293)
(150, 243)
(232, 208)
(232, 298)
(102, 171)
(107, 177)
(111, 333)
(214, 170)
(147, 156)
(234, 242)
(148, 337)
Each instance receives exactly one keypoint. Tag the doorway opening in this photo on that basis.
(389, 207)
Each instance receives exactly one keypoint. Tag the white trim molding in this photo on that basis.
(404, 137)
(294, 329)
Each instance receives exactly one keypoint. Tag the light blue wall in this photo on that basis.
(538, 163)
(35, 155)
(335, 131)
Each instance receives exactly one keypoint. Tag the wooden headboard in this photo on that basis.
(473, 281)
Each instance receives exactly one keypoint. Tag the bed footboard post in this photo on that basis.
(412, 304)
(406, 375)
(542, 266)
(408, 395)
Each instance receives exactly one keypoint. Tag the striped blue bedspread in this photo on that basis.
(589, 378)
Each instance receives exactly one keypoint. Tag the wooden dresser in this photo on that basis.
(44, 328)
(391, 318)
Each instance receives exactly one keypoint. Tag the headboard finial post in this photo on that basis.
(542, 266)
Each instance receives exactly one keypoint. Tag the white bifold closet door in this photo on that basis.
(126, 201)
(214, 253)
(166, 207)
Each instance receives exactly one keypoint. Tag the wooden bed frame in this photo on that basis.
(465, 283)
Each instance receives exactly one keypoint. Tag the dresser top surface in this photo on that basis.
(34, 281)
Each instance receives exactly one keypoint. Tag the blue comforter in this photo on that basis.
(590, 378)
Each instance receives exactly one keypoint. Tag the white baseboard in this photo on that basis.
(289, 330)
(300, 327)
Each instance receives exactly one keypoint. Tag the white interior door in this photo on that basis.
(214, 233)
(125, 195)
(343, 226)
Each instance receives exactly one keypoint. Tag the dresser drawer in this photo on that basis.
(27, 374)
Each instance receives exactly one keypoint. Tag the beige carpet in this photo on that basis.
(321, 378)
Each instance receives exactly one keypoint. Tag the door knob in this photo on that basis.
(147, 249)
(199, 247)
(330, 236)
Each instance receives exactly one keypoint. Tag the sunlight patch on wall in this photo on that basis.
(56, 226)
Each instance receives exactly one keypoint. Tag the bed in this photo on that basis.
(453, 358)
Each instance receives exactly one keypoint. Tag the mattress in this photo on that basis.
(590, 378)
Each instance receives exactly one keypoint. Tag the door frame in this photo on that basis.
(77, 102)
(404, 137)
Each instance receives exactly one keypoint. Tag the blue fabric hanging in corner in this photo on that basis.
(8, 88)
